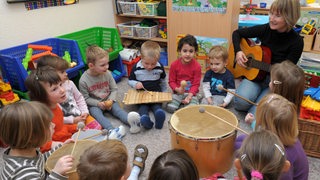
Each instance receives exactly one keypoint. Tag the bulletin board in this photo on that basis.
(215, 25)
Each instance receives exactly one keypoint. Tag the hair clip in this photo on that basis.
(256, 174)
(277, 82)
(37, 78)
(280, 149)
(270, 99)
(243, 156)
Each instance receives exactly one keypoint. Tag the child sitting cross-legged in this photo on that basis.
(148, 74)
(99, 89)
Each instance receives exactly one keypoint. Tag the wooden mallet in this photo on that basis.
(220, 87)
(203, 110)
(103, 132)
(80, 126)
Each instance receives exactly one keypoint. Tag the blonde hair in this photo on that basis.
(289, 9)
(25, 125)
(277, 114)
(262, 151)
(288, 80)
(94, 53)
(218, 52)
(150, 49)
(106, 159)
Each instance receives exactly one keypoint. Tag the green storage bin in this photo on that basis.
(105, 38)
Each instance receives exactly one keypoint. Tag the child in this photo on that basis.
(262, 156)
(25, 126)
(287, 80)
(174, 164)
(98, 87)
(44, 85)
(149, 74)
(277, 114)
(106, 159)
(218, 75)
(185, 69)
(74, 108)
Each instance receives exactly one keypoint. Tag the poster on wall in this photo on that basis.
(205, 6)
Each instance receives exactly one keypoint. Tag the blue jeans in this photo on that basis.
(253, 91)
(144, 108)
(116, 111)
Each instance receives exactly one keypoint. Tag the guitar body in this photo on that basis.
(259, 59)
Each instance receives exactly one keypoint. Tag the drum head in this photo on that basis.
(89, 133)
(190, 122)
(66, 149)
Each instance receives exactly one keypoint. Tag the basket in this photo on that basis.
(128, 8)
(106, 38)
(128, 29)
(148, 9)
(309, 135)
(11, 60)
(117, 69)
(147, 32)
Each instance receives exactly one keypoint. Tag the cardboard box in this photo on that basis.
(308, 41)
(316, 45)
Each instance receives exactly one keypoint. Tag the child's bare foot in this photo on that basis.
(249, 118)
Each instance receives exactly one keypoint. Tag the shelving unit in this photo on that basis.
(122, 18)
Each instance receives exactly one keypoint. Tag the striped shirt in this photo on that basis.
(23, 168)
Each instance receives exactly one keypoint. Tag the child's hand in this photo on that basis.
(63, 165)
(78, 119)
(180, 90)
(102, 105)
(55, 143)
(187, 100)
(139, 85)
(209, 99)
(85, 115)
(223, 105)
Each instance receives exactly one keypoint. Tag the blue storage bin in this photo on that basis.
(164, 58)
(11, 60)
(117, 69)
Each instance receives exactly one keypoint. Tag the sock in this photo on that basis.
(160, 117)
(146, 122)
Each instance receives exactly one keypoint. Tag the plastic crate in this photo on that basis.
(105, 38)
(164, 58)
(117, 69)
(148, 9)
(129, 8)
(147, 32)
(129, 64)
(11, 60)
(128, 29)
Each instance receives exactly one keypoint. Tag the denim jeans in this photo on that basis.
(116, 111)
(253, 91)
(144, 108)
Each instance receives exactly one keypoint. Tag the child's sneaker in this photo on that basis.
(117, 133)
(134, 121)
(160, 117)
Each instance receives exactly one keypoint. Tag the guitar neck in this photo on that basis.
(259, 65)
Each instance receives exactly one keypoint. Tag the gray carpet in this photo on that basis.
(158, 141)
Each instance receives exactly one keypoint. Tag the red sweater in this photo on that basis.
(190, 72)
(62, 131)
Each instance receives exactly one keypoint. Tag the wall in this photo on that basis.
(19, 26)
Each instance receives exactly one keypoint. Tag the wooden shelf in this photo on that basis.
(139, 16)
(157, 39)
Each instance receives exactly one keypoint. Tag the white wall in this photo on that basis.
(19, 26)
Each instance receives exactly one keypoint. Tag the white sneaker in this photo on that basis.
(117, 133)
(134, 121)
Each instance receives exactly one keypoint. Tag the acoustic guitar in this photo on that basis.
(258, 64)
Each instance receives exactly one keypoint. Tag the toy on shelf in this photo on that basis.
(6, 94)
(162, 28)
(309, 27)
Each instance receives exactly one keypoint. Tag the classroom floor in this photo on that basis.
(158, 141)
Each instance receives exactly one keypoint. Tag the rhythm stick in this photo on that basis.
(103, 132)
(220, 87)
(147, 91)
(202, 110)
(80, 127)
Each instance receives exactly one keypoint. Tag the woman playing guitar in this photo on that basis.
(278, 35)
